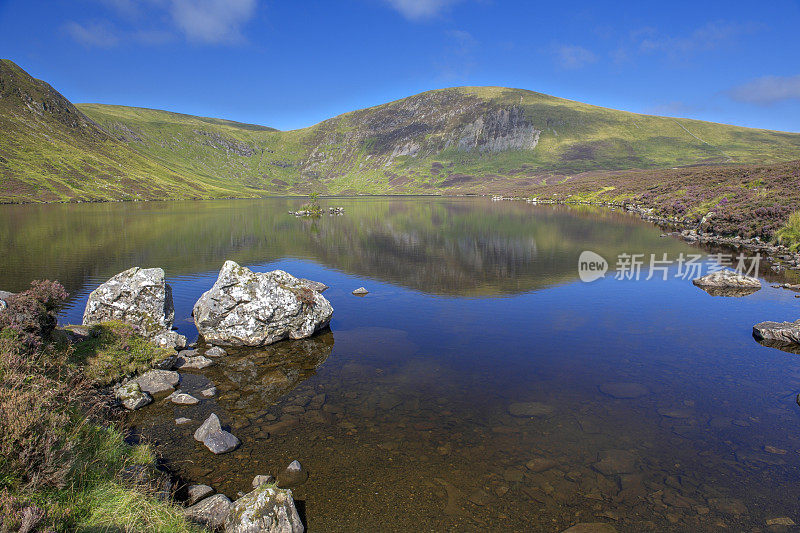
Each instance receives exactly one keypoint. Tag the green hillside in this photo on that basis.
(455, 140)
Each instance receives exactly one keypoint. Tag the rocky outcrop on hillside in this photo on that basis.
(422, 126)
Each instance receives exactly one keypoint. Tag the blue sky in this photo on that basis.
(292, 63)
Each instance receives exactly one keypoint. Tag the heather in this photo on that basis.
(62, 451)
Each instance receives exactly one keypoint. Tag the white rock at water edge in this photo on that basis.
(138, 296)
(245, 308)
(265, 509)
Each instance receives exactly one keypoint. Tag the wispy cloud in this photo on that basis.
(711, 36)
(96, 34)
(458, 59)
(155, 22)
(421, 9)
(213, 21)
(768, 90)
(574, 57)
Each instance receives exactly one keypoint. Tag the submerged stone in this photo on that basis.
(591, 527)
(216, 439)
(530, 409)
(622, 390)
(611, 462)
(292, 476)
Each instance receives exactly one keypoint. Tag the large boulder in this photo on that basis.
(266, 509)
(245, 308)
(779, 332)
(138, 296)
(727, 283)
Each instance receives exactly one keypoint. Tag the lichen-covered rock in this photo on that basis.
(158, 381)
(266, 509)
(132, 396)
(314, 285)
(361, 291)
(3, 296)
(245, 308)
(197, 363)
(215, 351)
(727, 279)
(195, 493)
(169, 340)
(214, 437)
(181, 398)
(211, 512)
(138, 296)
(782, 332)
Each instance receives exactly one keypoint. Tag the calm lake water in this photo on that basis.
(657, 409)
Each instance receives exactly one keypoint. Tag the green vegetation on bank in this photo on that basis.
(458, 140)
(64, 464)
(789, 234)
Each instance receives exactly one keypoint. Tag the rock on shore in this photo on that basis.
(139, 297)
(266, 509)
(245, 308)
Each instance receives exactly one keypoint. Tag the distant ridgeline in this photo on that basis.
(448, 141)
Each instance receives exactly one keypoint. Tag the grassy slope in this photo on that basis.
(353, 152)
(51, 150)
(749, 200)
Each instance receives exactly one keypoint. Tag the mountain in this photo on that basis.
(465, 139)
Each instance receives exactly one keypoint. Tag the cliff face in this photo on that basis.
(421, 126)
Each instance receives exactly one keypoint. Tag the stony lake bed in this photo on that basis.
(479, 385)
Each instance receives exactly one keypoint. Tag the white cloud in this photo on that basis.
(155, 22)
(93, 34)
(768, 90)
(711, 36)
(574, 57)
(420, 9)
(212, 21)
